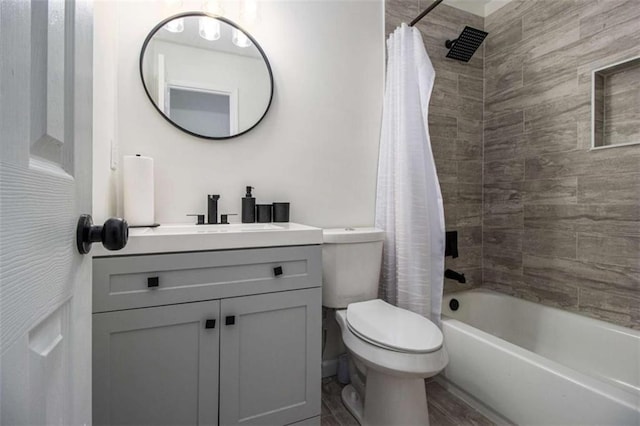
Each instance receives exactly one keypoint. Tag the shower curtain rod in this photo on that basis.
(425, 12)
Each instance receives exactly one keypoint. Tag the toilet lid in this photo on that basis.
(394, 328)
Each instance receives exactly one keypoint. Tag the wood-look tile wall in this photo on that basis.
(455, 126)
(561, 223)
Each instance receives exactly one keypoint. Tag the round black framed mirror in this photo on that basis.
(206, 75)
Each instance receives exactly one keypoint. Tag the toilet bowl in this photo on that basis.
(398, 350)
(393, 349)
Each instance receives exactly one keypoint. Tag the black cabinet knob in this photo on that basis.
(230, 320)
(153, 282)
(210, 323)
(113, 234)
(277, 271)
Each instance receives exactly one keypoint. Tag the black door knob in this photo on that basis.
(113, 234)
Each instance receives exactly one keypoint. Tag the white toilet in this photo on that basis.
(393, 349)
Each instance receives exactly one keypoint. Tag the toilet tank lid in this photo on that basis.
(352, 235)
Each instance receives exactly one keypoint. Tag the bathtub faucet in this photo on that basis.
(455, 276)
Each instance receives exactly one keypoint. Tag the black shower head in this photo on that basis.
(466, 44)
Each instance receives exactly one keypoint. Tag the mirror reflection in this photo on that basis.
(206, 76)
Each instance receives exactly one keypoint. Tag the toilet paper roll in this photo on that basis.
(138, 190)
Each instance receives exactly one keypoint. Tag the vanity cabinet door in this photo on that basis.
(270, 358)
(157, 366)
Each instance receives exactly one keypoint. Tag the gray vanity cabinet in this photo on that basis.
(270, 358)
(156, 366)
(159, 359)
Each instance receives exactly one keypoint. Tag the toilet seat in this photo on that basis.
(398, 364)
(393, 328)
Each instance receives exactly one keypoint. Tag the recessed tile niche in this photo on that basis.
(616, 104)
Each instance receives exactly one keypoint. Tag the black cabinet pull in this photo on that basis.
(153, 282)
(277, 271)
(210, 323)
(230, 320)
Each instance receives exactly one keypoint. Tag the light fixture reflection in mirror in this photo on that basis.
(175, 26)
(211, 79)
(209, 29)
(240, 39)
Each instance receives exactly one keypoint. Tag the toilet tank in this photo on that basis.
(351, 259)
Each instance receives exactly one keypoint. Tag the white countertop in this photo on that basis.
(188, 237)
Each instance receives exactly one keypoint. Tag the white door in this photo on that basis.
(45, 184)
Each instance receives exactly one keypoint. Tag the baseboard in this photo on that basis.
(329, 367)
(470, 400)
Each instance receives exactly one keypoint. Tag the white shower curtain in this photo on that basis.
(408, 201)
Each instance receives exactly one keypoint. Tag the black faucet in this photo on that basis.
(212, 209)
(453, 275)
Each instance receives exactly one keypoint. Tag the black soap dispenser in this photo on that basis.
(248, 207)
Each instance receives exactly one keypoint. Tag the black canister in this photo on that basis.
(281, 212)
(263, 212)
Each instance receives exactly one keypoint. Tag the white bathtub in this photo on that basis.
(536, 365)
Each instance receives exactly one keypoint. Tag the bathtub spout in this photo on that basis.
(455, 276)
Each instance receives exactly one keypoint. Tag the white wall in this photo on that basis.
(317, 147)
